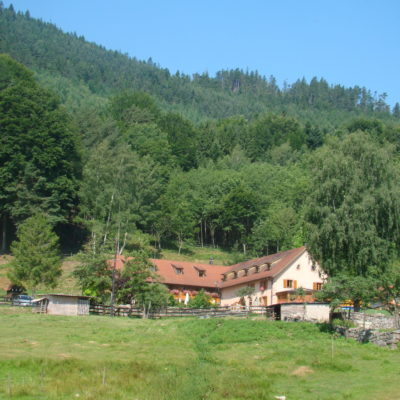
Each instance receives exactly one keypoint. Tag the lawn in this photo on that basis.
(50, 357)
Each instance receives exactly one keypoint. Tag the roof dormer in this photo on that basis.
(178, 269)
(200, 271)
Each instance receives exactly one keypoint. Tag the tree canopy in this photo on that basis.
(37, 260)
(353, 209)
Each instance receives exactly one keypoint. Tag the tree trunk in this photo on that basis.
(357, 305)
(212, 232)
(180, 241)
(4, 234)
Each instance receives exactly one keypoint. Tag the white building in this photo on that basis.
(275, 278)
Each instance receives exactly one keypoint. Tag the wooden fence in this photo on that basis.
(130, 311)
(4, 300)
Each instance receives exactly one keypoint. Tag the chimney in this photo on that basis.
(211, 260)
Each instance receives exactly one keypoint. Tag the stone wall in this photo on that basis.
(380, 338)
(373, 321)
(312, 312)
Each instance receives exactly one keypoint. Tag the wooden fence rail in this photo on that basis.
(5, 300)
(130, 311)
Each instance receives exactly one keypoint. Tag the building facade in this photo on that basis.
(275, 279)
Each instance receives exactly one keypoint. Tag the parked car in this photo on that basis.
(22, 300)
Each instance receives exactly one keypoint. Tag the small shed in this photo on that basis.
(62, 304)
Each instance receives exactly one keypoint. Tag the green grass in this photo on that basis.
(201, 255)
(50, 357)
(66, 284)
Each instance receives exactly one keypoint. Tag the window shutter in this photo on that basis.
(285, 283)
(295, 284)
(314, 286)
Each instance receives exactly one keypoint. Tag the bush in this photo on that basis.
(344, 323)
(201, 300)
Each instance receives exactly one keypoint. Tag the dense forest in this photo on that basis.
(109, 146)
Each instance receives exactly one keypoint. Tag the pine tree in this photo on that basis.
(36, 254)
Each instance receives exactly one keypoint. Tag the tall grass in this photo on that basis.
(49, 357)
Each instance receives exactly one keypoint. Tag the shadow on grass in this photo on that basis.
(326, 327)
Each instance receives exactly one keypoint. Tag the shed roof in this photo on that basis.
(64, 295)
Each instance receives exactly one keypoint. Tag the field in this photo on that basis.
(49, 357)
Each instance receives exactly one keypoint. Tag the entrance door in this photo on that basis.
(83, 306)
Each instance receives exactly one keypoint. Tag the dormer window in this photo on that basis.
(200, 271)
(178, 270)
(265, 267)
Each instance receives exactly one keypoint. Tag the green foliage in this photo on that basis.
(389, 290)
(345, 323)
(39, 153)
(88, 67)
(219, 161)
(133, 284)
(245, 291)
(36, 254)
(344, 287)
(352, 211)
(201, 300)
(94, 275)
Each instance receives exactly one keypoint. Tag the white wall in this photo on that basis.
(304, 275)
(66, 305)
(301, 271)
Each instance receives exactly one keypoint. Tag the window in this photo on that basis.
(317, 286)
(298, 266)
(290, 284)
(201, 272)
(313, 267)
(178, 270)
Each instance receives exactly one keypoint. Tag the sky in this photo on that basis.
(353, 42)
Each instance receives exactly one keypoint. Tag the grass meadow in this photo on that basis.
(52, 357)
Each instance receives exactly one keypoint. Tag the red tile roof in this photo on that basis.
(278, 262)
(166, 269)
(190, 277)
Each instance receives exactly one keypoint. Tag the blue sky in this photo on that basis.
(353, 42)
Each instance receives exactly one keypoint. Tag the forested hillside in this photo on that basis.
(154, 159)
(74, 63)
